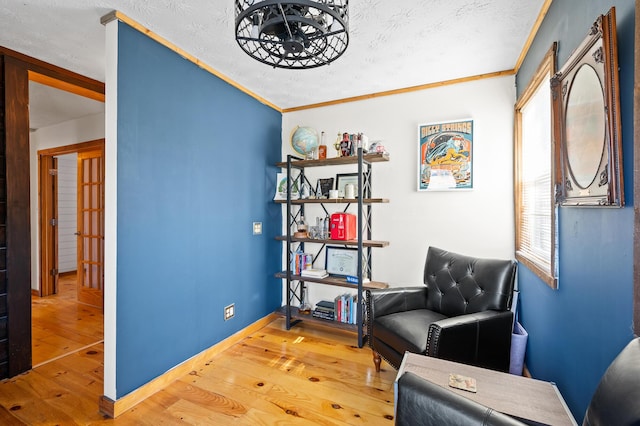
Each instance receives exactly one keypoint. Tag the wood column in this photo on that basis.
(4, 342)
(636, 177)
(18, 243)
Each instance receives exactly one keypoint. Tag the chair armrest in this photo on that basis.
(482, 339)
(423, 402)
(387, 301)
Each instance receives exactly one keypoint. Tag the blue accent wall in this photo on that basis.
(576, 331)
(196, 166)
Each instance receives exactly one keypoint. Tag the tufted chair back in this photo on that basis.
(615, 401)
(459, 284)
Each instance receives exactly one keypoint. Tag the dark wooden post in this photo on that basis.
(636, 178)
(18, 244)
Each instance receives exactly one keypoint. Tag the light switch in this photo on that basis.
(257, 228)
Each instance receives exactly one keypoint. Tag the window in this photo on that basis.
(535, 208)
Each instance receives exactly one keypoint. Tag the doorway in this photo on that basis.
(67, 313)
(81, 207)
(19, 218)
(67, 206)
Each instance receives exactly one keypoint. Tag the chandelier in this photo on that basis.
(293, 34)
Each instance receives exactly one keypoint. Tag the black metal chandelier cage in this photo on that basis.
(293, 34)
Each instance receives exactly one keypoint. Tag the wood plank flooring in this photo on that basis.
(309, 375)
(61, 325)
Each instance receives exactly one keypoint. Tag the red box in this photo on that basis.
(343, 226)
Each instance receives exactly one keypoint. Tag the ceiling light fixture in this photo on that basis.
(293, 34)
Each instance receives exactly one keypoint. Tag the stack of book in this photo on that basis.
(345, 308)
(300, 261)
(325, 310)
(314, 273)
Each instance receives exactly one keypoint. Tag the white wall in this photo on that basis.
(477, 222)
(68, 133)
(67, 212)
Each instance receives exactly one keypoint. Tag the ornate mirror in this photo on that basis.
(587, 121)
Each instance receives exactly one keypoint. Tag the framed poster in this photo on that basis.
(445, 156)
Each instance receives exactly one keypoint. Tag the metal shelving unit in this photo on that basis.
(295, 209)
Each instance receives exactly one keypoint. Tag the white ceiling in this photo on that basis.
(49, 106)
(392, 44)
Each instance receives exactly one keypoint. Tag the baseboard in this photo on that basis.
(35, 293)
(113, 408)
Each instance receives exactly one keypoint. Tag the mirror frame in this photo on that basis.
(599, 51)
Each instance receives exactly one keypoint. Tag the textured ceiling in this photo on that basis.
(392, 44)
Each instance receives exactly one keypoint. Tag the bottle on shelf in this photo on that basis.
(325, 228)
(345, 145)
(302, 225)
(305, 306)
(322, 149)
(336, 145)
(319, 227)
(301, 229)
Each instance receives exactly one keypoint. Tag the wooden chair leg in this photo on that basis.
(376, 360)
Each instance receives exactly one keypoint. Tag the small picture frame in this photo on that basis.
(343, 179)
(342, 261)
(323, 186)
(282, 185)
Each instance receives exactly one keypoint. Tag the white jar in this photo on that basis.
(349, 191)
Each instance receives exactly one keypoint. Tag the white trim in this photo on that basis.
(111, 208)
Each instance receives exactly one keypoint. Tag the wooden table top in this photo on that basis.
(517, 396)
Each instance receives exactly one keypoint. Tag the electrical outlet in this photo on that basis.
(229, 311)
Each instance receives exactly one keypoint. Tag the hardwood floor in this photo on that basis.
(309, 375)
(60, 325)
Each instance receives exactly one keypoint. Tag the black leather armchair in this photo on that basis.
(461, 314)
(421, 402)
(615, 401)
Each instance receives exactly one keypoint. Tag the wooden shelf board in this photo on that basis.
(339, 282)
(365, 243)
(335, 201)
(296, 315)
(336, 161)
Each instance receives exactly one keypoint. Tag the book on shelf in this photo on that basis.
(327, 304)
(322, 315)
(325, 309)
(346, 308)
(301, 261)
(314, 273)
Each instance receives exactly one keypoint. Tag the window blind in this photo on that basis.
(535, 206)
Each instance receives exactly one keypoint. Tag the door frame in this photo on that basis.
(15, 71)
(47, 208)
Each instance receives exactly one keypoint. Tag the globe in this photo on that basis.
(304, 140)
